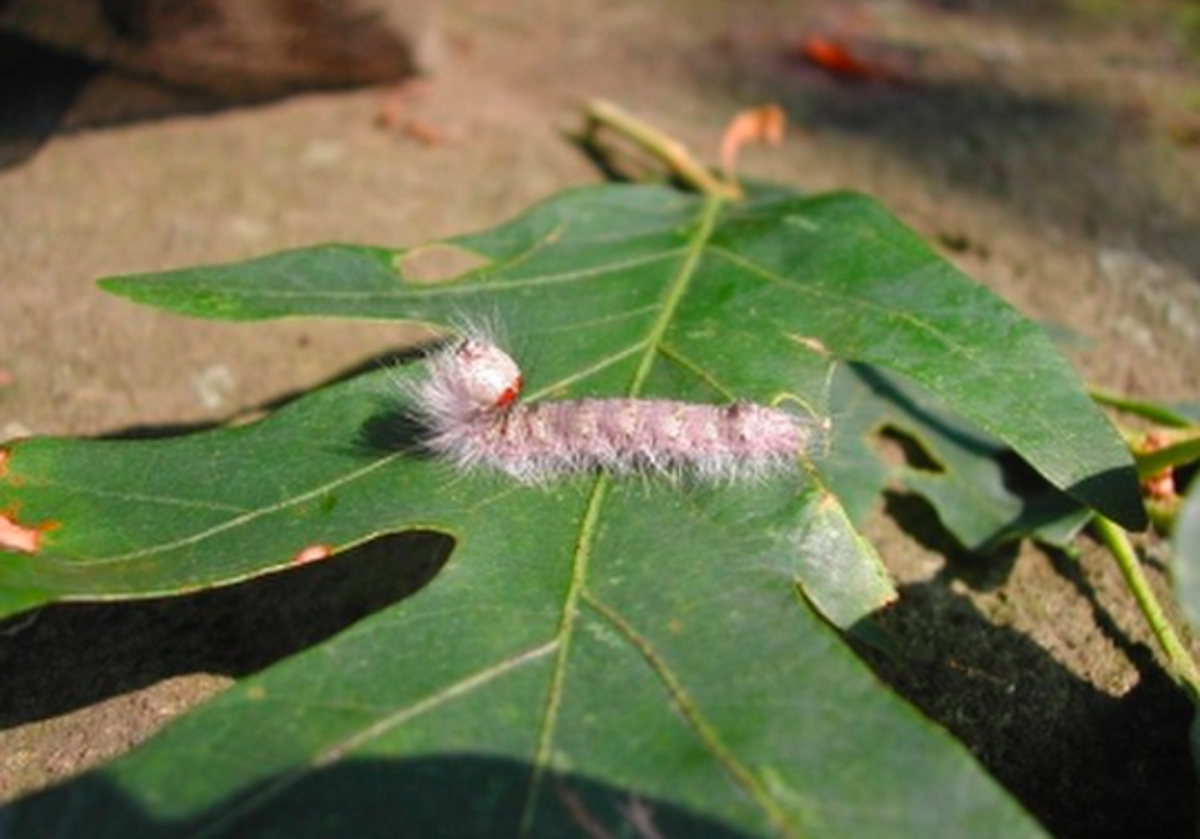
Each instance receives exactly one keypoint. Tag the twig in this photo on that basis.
(1184, 448)
(1182, 665)
(1149, 410)
(671, 153)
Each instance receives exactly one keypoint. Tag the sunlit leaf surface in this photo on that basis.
(625, 658)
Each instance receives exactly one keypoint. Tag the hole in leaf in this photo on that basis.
(60, 662)
(898, 447)
(437, 263)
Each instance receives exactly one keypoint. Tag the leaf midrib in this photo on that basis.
(672, 295)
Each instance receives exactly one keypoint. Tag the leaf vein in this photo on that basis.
(705, 732)
(939, 335)
(672, 294)
(338, 750)
(587, 372)
(249, 515)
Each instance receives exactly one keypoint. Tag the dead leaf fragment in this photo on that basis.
(395, 99)
(424, 133)
(838, 59)
(764, 124)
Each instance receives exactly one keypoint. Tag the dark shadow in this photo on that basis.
(1069, 570)
(37, 88)
(1042, 732)
(619, 161)
(55, 661)
(1115, 491)
(1033, 11)
(41, 91)
(911, 451)
(895, 389)
(393, 429)
(73, 655)
(152, 59)
(918, 518)
(1049, 159)
(459, 796)
(606, 160)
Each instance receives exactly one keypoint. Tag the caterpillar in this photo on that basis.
(470, 413)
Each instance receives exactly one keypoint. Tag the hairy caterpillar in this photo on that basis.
(471, 413)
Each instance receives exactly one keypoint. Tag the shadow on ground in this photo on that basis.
(70, 656)
(1085, 763)
(40, 87)
(1077, 163)
(37, 88)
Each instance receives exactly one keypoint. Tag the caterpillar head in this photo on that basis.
(482, 374)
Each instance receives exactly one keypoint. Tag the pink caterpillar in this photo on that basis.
(470, 409)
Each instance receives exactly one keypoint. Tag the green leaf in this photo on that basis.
(598, 643)
(178, 515)
(592, 647)
(328, 472)
(594, 271)
(1185, 561)
(575, 658)
(980, 494)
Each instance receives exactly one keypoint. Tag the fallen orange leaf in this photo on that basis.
(764, 124)
(1162, 483)
(836, 58)
(423, 132)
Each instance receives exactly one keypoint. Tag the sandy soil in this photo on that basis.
(1051, 149)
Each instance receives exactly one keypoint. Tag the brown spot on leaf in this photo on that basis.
(313, 553)
(17, 537)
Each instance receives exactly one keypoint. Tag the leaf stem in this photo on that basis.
(670, 152)
(1149, 410)
(1183, 666)
(1185, 449)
